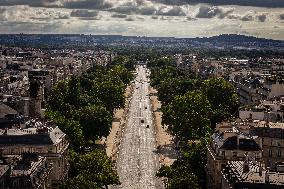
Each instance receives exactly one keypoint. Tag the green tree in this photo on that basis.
(95, 121)
(80, 182)
(120, 60)
(222, 96)
(161, 62)
(187, 171)
(73, 92)
(124, 74)
(171, 87)
(57, 98)
(97, 167)
(159, 74)
(110, 91)
(70, 127)
(179, 175)
(188, 115)
(195, 156)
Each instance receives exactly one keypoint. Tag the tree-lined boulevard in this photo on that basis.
(84, 107)
(137, 161)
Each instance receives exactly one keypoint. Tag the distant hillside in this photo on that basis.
(225, 41)
(236, 38)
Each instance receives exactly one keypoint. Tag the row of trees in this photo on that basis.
(83, 108)
(92, 170)
(191, 107)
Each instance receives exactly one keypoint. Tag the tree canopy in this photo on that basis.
(188, 115)
(95, 171)
(83, 107)
(222, 97)
(191, 107)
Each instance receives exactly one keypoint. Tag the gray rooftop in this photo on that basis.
(255, 174)
(31, 136)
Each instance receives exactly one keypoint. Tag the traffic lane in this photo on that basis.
(148, 162)
(145, 164)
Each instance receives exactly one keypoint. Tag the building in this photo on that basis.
(229, 142)
(250, 175)
(44, 76)
(254, 88)
(266, 110)
(26, 171)
(272, 142)
(42, 138)
(244, 140)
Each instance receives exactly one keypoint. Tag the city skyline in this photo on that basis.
(167, 18)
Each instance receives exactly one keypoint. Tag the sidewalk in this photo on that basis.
(167, 152)
(113, 139)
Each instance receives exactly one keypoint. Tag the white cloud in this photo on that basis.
(147, 10)
(141, 17)
(210, 12)
(83, 13)
(174, 11)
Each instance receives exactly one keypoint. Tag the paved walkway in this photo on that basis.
(138, 161)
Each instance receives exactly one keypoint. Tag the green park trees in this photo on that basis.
(173, 86)
(191, 107)
(83, 107)
(94, 171)
(188, 115)
(88, 101)
(188, 171)
(95, 121)
(186, 98)
(222, 97)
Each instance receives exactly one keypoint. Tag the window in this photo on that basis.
(270, 153)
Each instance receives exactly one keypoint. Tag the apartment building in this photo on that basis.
(229, 142)
(25, 171)
(42, 138)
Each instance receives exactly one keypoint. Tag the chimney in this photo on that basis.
(266, 176)
(246, 167)
(260, 170)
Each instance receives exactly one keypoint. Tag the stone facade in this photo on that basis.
(226, 144)
(26, 171)
(49, 142)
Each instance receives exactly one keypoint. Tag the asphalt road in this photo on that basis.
(137, 161)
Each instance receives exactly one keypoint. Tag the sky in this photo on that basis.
(174, 18)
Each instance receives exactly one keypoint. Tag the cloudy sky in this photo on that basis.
(178, 18)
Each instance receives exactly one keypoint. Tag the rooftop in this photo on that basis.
(5, 110)
(233, 138)
(31, 136)
(254, 173)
